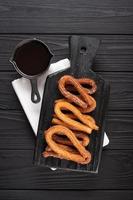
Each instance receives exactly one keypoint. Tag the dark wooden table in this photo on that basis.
(53, 21)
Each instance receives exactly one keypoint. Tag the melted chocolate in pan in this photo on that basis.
(32, 58)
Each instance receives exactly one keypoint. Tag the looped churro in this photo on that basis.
(86, 125)
(85, 101)
(80, 156)
(84, 82)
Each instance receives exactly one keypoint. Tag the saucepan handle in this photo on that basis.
(35, 96)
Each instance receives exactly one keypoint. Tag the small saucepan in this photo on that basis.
(31, 58)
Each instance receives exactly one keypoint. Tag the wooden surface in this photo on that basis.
(53, 22)
(71, 16)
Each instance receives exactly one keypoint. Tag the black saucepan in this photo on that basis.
(31, 58)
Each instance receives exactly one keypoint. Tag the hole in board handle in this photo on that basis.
(35, 97)
(83, 49)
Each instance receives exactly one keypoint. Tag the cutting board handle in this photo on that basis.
(82, 53)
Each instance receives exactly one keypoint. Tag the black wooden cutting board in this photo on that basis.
(82, 50)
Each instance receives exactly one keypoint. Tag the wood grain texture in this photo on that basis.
(16, 133)
(114, 54)
(53, 22)
(18, 172)
(121, 92)
(70, 16)
(72, 195)
(119, 127)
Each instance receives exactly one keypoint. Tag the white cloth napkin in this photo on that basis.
(22, 88)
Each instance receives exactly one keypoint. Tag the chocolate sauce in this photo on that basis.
(32, 58)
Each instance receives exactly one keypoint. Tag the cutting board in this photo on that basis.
(82, 53)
